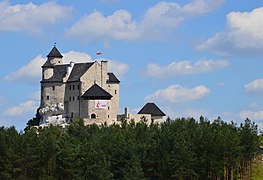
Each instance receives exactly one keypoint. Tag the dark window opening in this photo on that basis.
(71, 114)
(69, 98)
(115, 91)
(73, 98)
(53, 88)
(47, 97)
(108, 107)
(78, 86)
(73, 87)
(78, 98)
(93, 116)
(108, 116)
(70, 87)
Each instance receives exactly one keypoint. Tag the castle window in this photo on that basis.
(93, 116)
(73, 98)
(108, 116)
(69, 98)
(69, 87)
(78, 86)
(108, 107)
(53, 88)
(115, 91)
(47, 97)
(71, 114)
(78, 98)
(73, 87)
(109, 85)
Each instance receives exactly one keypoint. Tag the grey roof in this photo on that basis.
(112, 78)
(96, 92)
(47, 64)
(151, 108)
(78, 70)
(58, 74)
(54, 53)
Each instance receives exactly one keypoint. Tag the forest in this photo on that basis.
(181, 149)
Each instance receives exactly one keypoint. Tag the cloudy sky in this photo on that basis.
(190, 57)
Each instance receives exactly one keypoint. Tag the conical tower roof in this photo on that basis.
(54, 53)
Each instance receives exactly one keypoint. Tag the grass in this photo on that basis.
(257, 169)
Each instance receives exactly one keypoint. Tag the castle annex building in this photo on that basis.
(85, 90)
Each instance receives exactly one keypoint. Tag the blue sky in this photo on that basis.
(190, 57)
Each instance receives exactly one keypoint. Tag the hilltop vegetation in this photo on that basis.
(180, 149)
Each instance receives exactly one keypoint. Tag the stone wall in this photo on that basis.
(52, 93)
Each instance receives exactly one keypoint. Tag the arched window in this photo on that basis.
(93, 116)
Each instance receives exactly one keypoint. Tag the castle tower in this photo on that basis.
(50, 71)
(53, 58)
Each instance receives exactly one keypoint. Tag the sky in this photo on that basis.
(190, 57)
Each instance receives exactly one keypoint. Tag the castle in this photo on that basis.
(82, 90)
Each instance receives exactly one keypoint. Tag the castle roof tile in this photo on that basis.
(151, 108)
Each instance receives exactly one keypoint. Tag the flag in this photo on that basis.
(98, 53)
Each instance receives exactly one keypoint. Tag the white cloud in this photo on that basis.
(178, 68)
(35, 96)
(179, 94)
(255, 86)
(29, 106)
(158, 22)
(118, 68)
(243, 32)
(75, 56)
(31, 73)
(31, 17)
(253, 115)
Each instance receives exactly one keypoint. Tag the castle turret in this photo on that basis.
(53, 58)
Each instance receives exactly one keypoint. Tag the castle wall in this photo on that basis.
(72, 99)
(135, 118)
(101, 115)
(52, 93)
(47, 73)
(158, 119)
(93, 75)
(114, 90)
(55, 60)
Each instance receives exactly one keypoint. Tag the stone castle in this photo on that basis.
(83, 90)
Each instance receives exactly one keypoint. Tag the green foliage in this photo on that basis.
(34, 121)
(178, 149)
